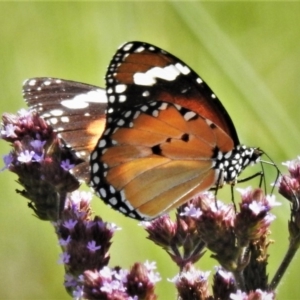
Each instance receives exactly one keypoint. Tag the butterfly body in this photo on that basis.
(166, 138)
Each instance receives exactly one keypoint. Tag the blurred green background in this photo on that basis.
(248, 52)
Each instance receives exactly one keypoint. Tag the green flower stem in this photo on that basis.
(292, 250)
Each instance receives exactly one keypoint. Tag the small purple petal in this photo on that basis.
(113, 285)
(154, 277)
(113, 227)
(8, 159)
(269, 218)
(64, 258)
(36, 157)
(106, 273)
(78, 292)
(9, 131)
(192, 275)
(66, 165)
(272, 201)
(191, 211)
(92, 246)
(24, 113)
(244, 191)
(26, 156)
(37, 145)
(63, 242)
(121, 275)
(257, 207)
(150, 266)
(238, 295)
(223, 273)
(70, 224)
(70, 280)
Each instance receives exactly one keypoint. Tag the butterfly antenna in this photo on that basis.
(295, 200)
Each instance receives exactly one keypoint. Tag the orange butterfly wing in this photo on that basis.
(162, 161)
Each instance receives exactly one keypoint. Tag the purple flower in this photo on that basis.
(224, 274)
(113, 227)
(36, 157)
(37, 145)
(78, 292)
(153, 276)
(70, 224)
(24, 113)
(239, 295)
(79, 196)
(64, 258)
(9, 131)
(66, 165)
(192, 275)
(65, 242)
(26, 156)
(271, 201)
(8, 159)
(70, 280)
(191, 211)
(257, 294)
(114, 285)
(121, 275)
(257, 207)
(150, 266)
(92, 246)
(106, 272)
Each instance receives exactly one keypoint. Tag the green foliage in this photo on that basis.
(248, 52)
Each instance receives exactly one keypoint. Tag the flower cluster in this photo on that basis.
(238, 241)
(137, 283)
(40, 162)
(85, 242)
(289, 187)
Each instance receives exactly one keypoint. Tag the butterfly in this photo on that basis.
(167, 136)
(156, 137)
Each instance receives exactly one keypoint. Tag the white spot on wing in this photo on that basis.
(65, 119)
(103, 192)
(148, 78)
(140, 49)
(94, 155)
(83, 100)
(183, 69)
(127, 47)
(122, 98)
(56, 112)
(102, 143)
(96, 180)
(53, 121)
(113, 201)
(121, 122)
(189, 115)
(120, 88)
(95, 167)
(32, 82)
